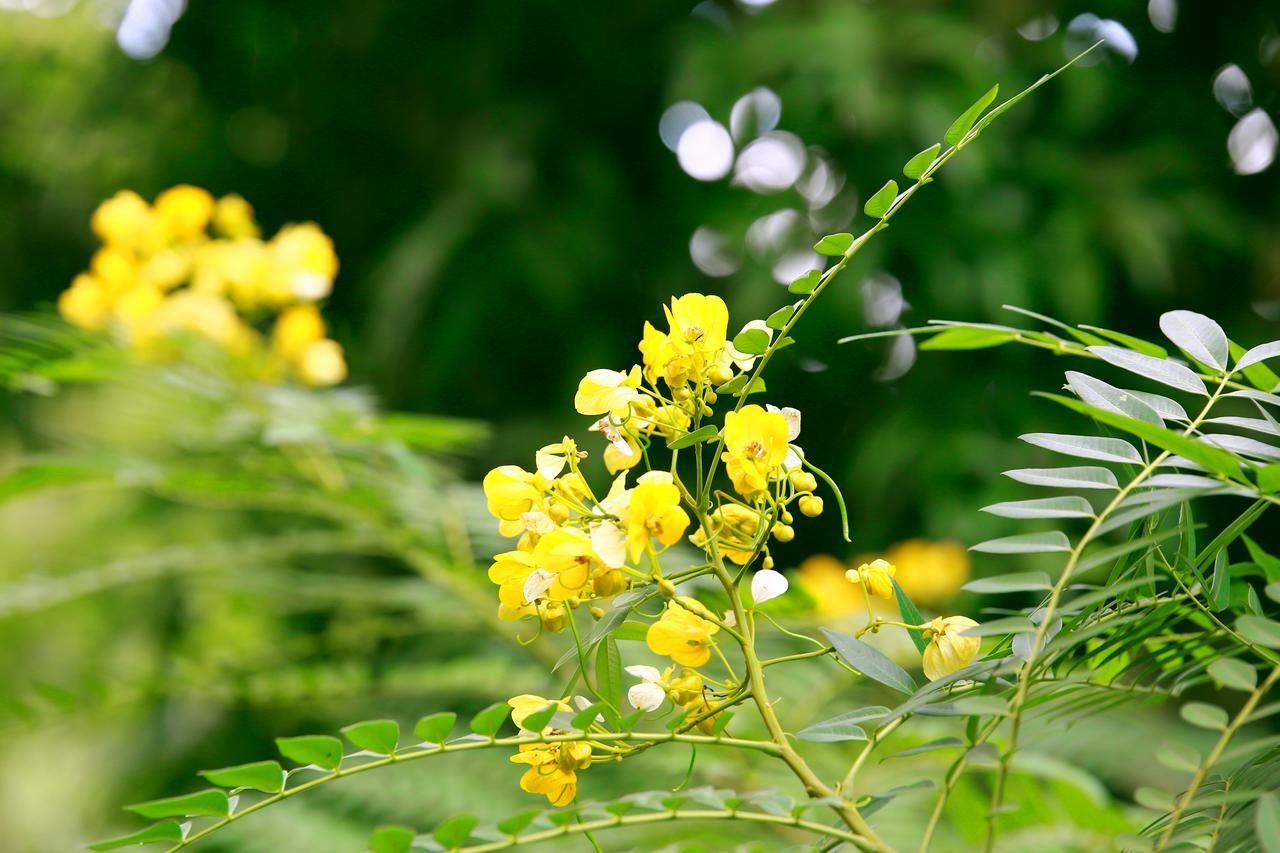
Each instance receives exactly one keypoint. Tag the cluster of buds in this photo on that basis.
(190, 266)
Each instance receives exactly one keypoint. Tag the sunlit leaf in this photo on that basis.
(918, 164)
(751, 341)
(212, 802)
(910, 615)
(1064, 507)
(1197, 335)
(380, 736)
(321, 750)
(805, 284)
(168, 831)
(435, 728)
(706, 433)
(1085, 446)
(455, 831)
(879, 203)
(1018, 582)
(490, 720)
(1083, 477)
(1026, 543)
(1160, 370)
(1097, 393)
(265, 776)
(1258, 354)
(833, 244)
(964, 123)
(391, 839)
(966, 338)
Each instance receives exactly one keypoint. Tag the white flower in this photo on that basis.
(609, 542)
(648, 694)
(730, 619)
(536, 584)
(767, 584)
(607, 427)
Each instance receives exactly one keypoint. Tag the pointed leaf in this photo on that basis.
(1065, 507)
(321, 750)
(917, 165)
(1085, 446)
(1162, 370)
(778, 319)
(164, 831)
(878, 205)
(435, 728)
(1026, 543)
(967, 338)
(1083, 477)
(1017, 582)
(910, 615)
(706, 433)
(1097, 393)
(1258, 354)
(212, 803)
(490, 720)
(831, 731)
(265, 776)
(870, 662)
(539, 719)
(516, 823)
(380, 736)
(956, 133)
(609, 672)
(1197, 335)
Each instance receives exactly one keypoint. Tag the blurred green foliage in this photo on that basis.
(506, 215)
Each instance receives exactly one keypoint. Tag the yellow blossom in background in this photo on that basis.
(930, 573)
(552, 769)
(161, 275)
(823, 578)
(949, 650)
(654, 511)
(683, 636)
(755, 446)
(876, 576)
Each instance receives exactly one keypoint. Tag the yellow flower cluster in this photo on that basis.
(190, 265)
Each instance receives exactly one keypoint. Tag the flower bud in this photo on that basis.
(554, 617)
(681, 394)
(811, 505)
(596, 612)
(720, 374)
(787, 517)
(767, 562)
(783, 532)
(559, 513)
(666, 587)
(710, 396)
(803, 481)
(609, 583)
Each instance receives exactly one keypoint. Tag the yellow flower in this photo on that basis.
(655, 351)
(205, 315)
(566, 555)
(931, 573)
(552, 769)
(755, 442)
(166, 269)
(877, 576)
(698, 323)
(654, 510)
(735, 528)
(681, 635)
(233, 217)
(510, 491)
(297, 328)
(115, 268)
(322, 364)
(823, 578)
(948, 650)
(525, 704)
(607, 392)
(85, 303)
(306, 259)
(122, 220)
(183, 212)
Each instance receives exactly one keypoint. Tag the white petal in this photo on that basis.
(646, 696)
(767, 584)
(645, 673)
(536, 584)
(310, 286)
(537, 521)
(549, 464)
(794, 459)
(609, 543)
(730, 618)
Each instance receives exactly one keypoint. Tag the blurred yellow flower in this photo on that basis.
(183, 212)
(682, 636)
(823, 578)
(876, 576)
(233, 217)
(931, 573)
(322, 364)
(85, 303)
(949, 650)
(122, 220)
(607, 392)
